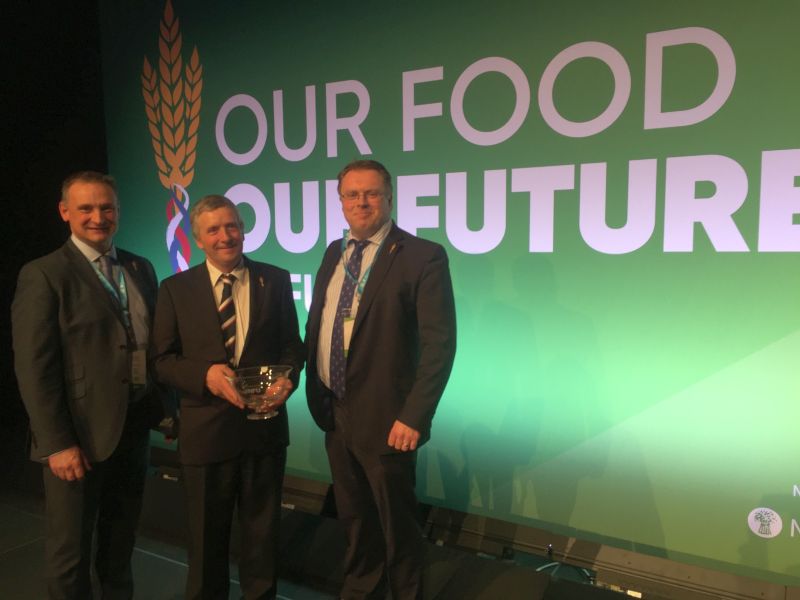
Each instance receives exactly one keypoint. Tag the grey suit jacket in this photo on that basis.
(71, 353)
(402, 346)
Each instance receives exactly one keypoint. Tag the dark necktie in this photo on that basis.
(106, 264)
(338, 359)
(227, 315)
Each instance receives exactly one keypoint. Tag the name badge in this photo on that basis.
(139, 367)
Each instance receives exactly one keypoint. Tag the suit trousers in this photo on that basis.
(253, 484)
(377, 504)
(109, 498)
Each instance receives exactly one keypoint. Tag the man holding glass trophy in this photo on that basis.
(226, 337)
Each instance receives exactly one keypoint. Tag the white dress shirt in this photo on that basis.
(332, 296)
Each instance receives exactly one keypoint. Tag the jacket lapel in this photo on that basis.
(206, 309)
(329, 263)
(257, 298)
(380, 268)
(87, 273)
(134, 269)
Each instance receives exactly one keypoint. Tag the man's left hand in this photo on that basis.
(403, 438)
(278, 394)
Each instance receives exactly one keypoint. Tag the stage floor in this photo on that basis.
(312, 548)
(159, 567)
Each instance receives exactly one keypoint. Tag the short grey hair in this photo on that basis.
(209, 203)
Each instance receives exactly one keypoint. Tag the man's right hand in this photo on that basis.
(218, 382)
(70, 464)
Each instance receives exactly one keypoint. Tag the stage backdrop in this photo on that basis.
(617, 185)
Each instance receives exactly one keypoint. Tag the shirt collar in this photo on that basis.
(91, 253)
(377, 237)
(238, 271)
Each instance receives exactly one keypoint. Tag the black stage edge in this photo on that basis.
(312, 546)
(464, 560)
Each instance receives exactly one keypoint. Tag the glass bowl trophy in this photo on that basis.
(258, 388)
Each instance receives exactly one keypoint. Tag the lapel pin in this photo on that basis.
(261, 280)
(135, 265)
(392, 249)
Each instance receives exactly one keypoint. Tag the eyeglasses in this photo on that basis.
(353, 195)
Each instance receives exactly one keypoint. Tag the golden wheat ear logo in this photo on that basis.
(172, 105)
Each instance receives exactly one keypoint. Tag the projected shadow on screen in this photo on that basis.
(523, 396)
(556, 400)
(470, 469)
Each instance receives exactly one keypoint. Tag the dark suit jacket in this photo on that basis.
(71, 352)
(187, 340)
(403, 342)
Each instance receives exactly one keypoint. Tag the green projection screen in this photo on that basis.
(618, 188)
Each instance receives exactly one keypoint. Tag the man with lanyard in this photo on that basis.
(380, 338)
(81, 321)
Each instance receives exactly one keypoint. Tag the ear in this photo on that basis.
(63, 211)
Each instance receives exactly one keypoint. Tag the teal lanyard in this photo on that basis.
(361, 282)
(119, 294)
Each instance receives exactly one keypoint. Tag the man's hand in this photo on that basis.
(70, 464)
(277, 394)
(218, 382)
(403, 438)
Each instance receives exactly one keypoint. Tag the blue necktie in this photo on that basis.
(338, 359)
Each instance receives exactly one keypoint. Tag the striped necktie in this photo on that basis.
(227, 315)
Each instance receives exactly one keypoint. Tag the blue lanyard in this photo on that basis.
(362, 281)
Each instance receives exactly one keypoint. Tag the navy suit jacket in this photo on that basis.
(71, 352)
(402, 346)
(187, 340)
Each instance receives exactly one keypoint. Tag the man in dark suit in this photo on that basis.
(381, 339)
(80, 321)
(227, 312)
